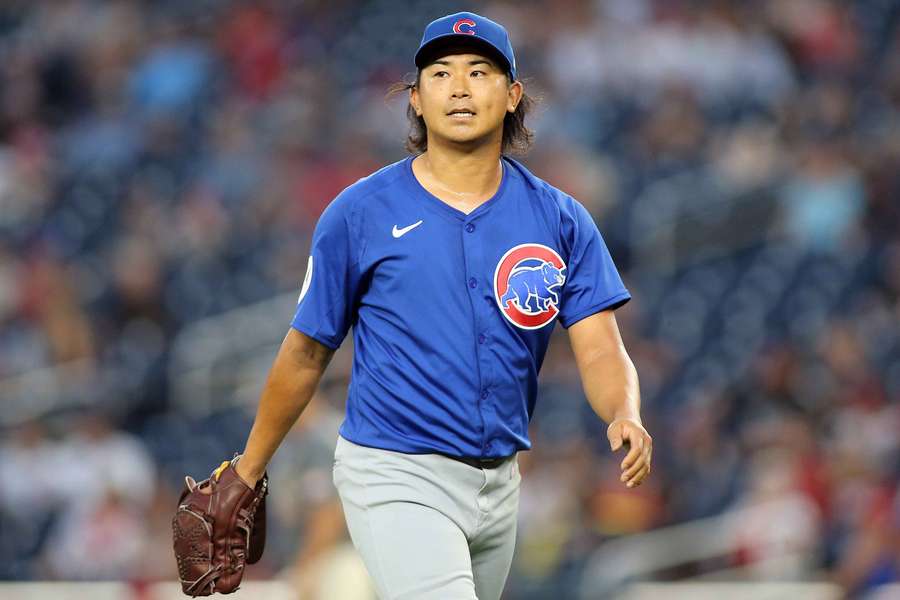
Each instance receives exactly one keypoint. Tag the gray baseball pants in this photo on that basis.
(429, 527)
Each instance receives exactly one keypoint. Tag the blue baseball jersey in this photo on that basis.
(451, 312)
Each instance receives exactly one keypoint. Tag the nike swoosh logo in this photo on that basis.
(401, 232)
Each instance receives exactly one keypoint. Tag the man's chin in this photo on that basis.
(464, 139)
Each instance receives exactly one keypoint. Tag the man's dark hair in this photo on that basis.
(517, 138)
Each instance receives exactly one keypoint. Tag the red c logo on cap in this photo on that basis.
(458, 26)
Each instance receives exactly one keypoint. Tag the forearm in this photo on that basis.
(611, 385)
(291, 383)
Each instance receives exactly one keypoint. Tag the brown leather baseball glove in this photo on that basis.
(220, 526)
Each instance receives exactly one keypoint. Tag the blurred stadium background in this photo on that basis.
(162, 165)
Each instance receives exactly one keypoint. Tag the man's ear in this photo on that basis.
(414, 100)
(514, 96)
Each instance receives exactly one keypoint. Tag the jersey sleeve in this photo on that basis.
(592, 281)
(328, 296)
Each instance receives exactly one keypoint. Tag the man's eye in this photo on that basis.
(478, 73)
(441, 73)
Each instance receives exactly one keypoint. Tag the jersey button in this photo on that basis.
(472, 283)
(481, 338)
(470, 228)
(484, 394)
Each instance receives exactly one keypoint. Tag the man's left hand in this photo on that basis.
(636, 465)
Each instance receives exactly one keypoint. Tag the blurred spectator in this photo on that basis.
(29, 500)
(823, 200)
(106, 480)
(774, 519)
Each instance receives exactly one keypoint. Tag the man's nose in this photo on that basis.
(460, 89)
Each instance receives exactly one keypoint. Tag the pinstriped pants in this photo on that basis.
(429, 527)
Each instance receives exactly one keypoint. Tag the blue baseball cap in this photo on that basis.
(467, 28)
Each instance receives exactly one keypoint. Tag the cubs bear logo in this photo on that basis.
(526, 285)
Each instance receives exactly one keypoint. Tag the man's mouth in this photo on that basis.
(461, 114)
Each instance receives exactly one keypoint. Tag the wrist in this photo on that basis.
(249, 471)
(626, 417)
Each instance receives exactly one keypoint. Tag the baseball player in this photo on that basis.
(452, 267)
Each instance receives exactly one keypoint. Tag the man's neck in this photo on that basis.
(463, 179)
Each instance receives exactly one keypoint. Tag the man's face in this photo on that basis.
(463, 97)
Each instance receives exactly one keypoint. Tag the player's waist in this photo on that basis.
(431, 445)
(481, 463)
